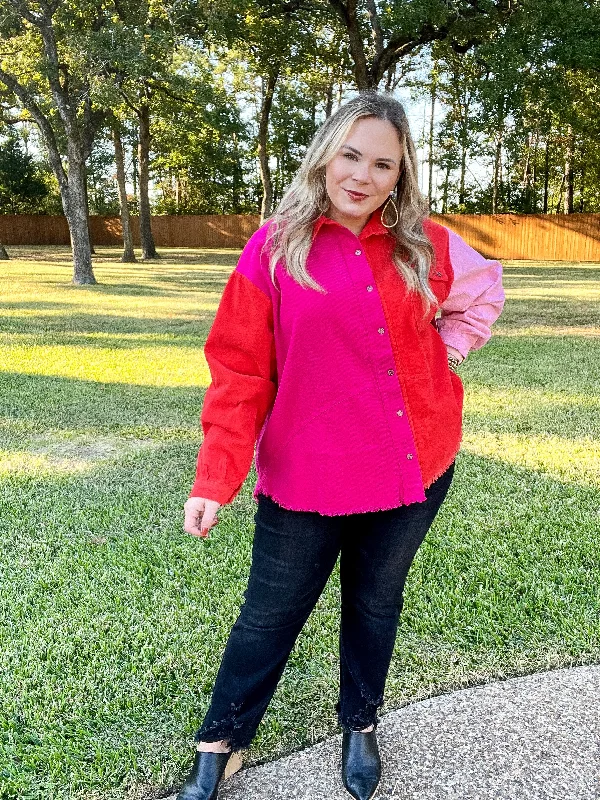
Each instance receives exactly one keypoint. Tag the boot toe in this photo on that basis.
(361, 764)
(203, 781)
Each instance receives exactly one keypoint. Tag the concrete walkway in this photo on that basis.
(532, 738)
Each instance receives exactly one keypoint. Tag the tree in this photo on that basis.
(115, 129)
(379, 36)
(44, 65)
(23, 189)
(202, 149)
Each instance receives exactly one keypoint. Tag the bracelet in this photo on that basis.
(453, 363)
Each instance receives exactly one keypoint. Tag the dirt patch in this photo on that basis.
(77, 453)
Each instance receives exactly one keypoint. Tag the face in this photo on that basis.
(361, 175)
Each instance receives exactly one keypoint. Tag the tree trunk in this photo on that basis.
(463, 170)
(527, 176)
(560, 196)
(329, 100)
(582, 189)
(78, 134)
(569, 195)
(3, 254)
(128, 253)
(146, 238)
(497, 168)
(431, 132)
(546, 176)
(74, 205)
(237, 177)
(534, 172)
(497, 180)
(445, 195)
(134, 173)
(263, 138)
(87, 214)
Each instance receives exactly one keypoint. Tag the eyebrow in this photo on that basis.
(358, 153)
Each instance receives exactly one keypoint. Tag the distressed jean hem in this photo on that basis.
(236, 734)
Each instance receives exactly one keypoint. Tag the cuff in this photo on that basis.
(219, 492)
(459, 340)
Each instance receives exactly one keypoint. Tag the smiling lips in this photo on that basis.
(355, 195)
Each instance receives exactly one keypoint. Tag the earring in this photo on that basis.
(384, 209)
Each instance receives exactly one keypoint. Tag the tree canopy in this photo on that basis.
(216, 102)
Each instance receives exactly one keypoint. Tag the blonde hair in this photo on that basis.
(291, 226)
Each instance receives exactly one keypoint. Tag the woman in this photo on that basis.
(326, 349)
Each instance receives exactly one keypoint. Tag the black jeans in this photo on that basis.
(293, 555)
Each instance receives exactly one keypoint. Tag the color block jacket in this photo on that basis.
(347, 395)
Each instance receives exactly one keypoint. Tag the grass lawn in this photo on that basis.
(112, 620)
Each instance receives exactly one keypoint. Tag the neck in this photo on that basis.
(354, 225)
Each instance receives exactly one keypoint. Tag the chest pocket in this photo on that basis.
(439, 281)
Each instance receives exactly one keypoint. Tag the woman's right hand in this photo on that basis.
(200, 516)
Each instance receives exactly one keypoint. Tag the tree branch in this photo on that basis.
(376, 27)
(347, 12)
(23, 9)
(399, 46)
(129, 102)
(42, 122)
(342, 10)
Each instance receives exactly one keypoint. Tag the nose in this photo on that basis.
(360, 173)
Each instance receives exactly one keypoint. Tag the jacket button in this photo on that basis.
(358, 252)
(390, 371)
(369, 288)
(400, 412)
(380, 330)
(409, 456)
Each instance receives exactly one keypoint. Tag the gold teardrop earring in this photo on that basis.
(384, 209)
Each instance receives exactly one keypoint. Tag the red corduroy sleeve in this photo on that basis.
(240, 352)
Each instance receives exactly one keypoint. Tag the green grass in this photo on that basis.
(112, 620)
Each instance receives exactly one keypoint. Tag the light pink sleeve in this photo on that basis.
(475, 301)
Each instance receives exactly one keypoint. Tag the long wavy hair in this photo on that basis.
(291, 226)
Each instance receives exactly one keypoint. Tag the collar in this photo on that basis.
(374, 226)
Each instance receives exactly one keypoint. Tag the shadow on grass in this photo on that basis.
(553, 271)
(205, 281)
(58, 255)
(60, 328)
(550, 312)
(568, 364)
(43, 402)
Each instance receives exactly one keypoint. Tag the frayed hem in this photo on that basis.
(439, 474)
(227, 730)
(235, 744)
(358, 510)
(358, 722)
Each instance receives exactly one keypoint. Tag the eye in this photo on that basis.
(384, 165)
(351, 156)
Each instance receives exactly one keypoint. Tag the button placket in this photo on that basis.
(391, 391)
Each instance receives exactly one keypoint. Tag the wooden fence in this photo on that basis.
(208, 230)
(574, 237)
(543, 237)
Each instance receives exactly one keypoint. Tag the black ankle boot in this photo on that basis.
(203, 781)
(361, 765)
